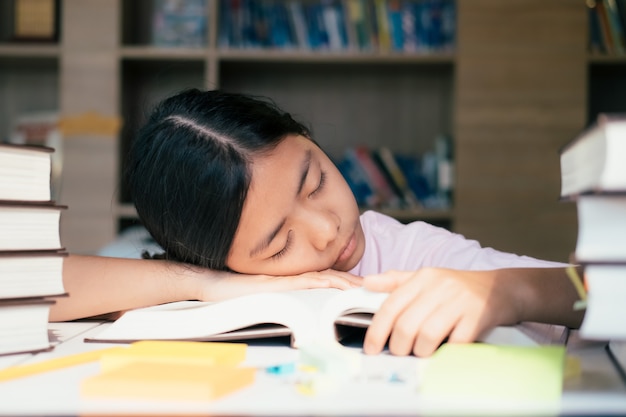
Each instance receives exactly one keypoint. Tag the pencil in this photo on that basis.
(54, 364)
(578, 284)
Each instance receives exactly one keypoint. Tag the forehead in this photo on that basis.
(272, 191)
(286, 157)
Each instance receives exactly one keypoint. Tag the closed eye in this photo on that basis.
(285, 249)
(321, 184)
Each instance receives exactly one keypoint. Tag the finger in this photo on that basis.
(340, 283)
(380, 330)
(456, 321)
(467, 330)
(386, 282)
(412, 326)
(354, 280)
(288, 283)
(435, 330)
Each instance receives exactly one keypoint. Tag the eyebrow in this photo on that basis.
(304, 172)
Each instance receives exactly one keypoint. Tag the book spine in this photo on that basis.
(396, 177)
(355, 25)
(605, 28)
(595, 43)
(411, 167)
(179, 23)
(379, 183)
(382, 21)
(333, 24)
(396, 31)
(298, 22)
(357, 179)
(615, 25)
(409, 26)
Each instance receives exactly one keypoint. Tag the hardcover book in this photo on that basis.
(25, 172)
(31, 274)
(606, 288)
(24, 325)
(594, 160)
(601, 228)
(29, 226)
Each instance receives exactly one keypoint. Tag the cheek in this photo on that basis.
(343, 193)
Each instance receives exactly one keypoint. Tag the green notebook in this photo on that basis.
(493, 377)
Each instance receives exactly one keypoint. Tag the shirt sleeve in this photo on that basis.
(393, 245)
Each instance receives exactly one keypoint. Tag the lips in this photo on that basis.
(348, 250)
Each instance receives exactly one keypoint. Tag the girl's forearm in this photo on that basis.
(100, 285)
(549, 297)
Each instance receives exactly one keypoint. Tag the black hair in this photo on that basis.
(188, 169)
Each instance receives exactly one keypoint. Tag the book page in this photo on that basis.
(195, 320)
(299, 311)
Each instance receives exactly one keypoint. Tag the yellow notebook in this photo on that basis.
(175, 352)
(167, 382)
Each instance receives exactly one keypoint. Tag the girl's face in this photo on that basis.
(299, 215)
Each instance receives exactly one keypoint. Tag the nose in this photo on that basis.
(323, 228)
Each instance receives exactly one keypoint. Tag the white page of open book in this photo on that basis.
(308, 313)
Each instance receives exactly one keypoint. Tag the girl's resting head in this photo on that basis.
(232, 182)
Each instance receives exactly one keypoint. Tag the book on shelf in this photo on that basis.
(412, 168)
(357, 179)
(380, 178)
(607, 19)
(25, 274)
(593, 160)
(317, 316)
(396, 29)
(35, 20)
(359, 32)
(386, 161)
(601, 227)
(606, 292)
(375, 176)
(383, 24)
(30, 226)
(24, 325)
(596, 42)
(25, 172)
(615, 25)
(606, 35)
(178, 23)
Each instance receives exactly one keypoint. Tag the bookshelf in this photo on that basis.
(332, 91)
(513, 90)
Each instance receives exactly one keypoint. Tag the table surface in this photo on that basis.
(597, 389)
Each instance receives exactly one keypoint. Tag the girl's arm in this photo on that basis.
(429, 305)
(101, 285)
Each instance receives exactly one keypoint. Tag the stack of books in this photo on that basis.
(593, 175)
(31, 254)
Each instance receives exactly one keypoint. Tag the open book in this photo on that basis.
(307, 316)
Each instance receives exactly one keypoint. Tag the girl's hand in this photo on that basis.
(224, 285)
(429, 305)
